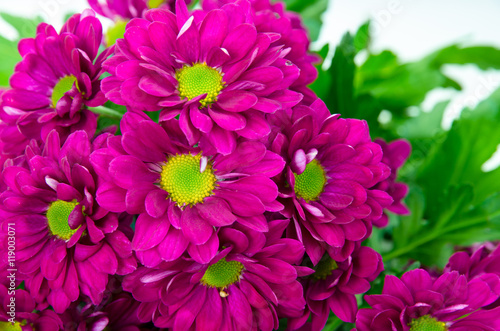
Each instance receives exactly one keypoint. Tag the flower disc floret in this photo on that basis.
(310, 183)
(324, 268)
(8, 326)
(427, 323)
(57, 217)
(222, 274)
(185, 181)
(197, 80)
(63, 85)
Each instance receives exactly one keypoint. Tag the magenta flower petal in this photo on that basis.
(256, 287)
(57, 79)
(328, 186)
(210, 44)
(74, 236)
(452, 302)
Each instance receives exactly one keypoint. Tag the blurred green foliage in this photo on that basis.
(453, 202)
(25, 28)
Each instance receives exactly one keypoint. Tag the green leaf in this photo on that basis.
(109, 115)
(321, 86)
(484, 57)
(362, 38)
(398, 86)
(341, 96)
(411, 224)
(9, 56)
(115, 32)
(458, 159)
(462, 203)
(455, 201)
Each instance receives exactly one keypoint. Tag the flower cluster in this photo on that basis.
(419, 302)
(230, 198)
(464, 297)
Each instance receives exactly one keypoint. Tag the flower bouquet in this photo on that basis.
(191, 168)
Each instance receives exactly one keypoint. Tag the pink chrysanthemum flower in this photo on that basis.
(217, 73)
(118, 313)
(181, 193)
(12, 141)
(395, 155)
(128, 9)
(274, 18)
(56, 79)
(327, 187)
(67, 244)
(417, 302)
(250, 283)
(22, 310)
(478, 262)
(333, 286)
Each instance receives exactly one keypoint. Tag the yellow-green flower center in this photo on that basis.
(310, 183)
(182, 177)
(155, 3)
(115, 32)
(222, 274)
(8, 326)
(57, 217)
(197, 80)
(324, 268)
(427, 323)
(63, 85)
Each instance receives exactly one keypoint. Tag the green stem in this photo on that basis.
(410, 247)
(333, 325)
(108, 112)
(434, 235)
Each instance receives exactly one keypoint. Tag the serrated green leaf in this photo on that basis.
(454, 202)
(458, 159)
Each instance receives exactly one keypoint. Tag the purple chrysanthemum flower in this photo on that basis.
(333, 287)
(327, 187)
(128, 9)
(12, 141)
(274, 18)
(395, 155)
(479, 262)
(119, 313)
(214, 70)
(119, 9)
(417, 302)
(249, 285)
(181, 193)
(56, 79)
(22, 310)
(67, 244)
